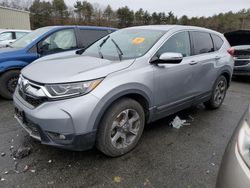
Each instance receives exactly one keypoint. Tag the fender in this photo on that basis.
(112, 96)
(8, 65)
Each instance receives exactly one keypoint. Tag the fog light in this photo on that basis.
(56, 136)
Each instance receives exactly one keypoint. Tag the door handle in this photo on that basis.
(193, 63)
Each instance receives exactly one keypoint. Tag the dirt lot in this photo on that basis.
(165, 157)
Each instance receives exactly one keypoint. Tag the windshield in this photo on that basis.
(125, 44)
(29, 38)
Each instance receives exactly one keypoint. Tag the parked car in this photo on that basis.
(8, 36)
(41, 42)
(131, 77)
(240, 40)
(235, 166)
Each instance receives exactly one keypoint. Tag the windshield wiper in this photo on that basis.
(100, 46)
(120, 53)
(104, 40)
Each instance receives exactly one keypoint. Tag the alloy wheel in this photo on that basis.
(220, 92)
(12, 83)
(125, 128)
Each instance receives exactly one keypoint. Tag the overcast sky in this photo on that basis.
(179, 7)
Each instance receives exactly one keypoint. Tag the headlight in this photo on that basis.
(71, 89)
(243, 143)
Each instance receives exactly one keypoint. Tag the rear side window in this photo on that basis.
(89, 36)
(217, 42)
(202, 42)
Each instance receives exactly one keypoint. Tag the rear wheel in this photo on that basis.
(8, 83)
(218, 94)
(121, 128)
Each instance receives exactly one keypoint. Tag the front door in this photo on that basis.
(174, 83)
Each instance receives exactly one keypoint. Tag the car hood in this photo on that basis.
(8, 51)
(7, 54)
(238, 38)
(71, 68)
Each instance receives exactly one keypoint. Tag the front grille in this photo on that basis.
(241, 63)
(34, 101)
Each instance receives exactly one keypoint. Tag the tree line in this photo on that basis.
(56, 12)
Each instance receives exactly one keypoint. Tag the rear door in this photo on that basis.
(205, 56)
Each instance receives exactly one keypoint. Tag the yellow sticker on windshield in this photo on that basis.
(138, 40)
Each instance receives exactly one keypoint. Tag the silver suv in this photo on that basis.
(102, 96)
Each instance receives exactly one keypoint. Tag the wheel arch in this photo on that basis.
(140, 96)
(12, 65)
(227, 75)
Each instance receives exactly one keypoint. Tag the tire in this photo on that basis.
(114, 126)
(218, 93)
(8, 82)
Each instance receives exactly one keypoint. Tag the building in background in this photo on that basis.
(14, 19)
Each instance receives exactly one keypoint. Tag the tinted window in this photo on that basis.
(90, 36)
(178, 43)
(59, 41)
(202, 42)
(217, 42)
(6, 36)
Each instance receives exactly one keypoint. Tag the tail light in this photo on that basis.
(231, 51)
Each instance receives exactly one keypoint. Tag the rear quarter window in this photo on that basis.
(89, 36)
(202, 42)
(218, 42)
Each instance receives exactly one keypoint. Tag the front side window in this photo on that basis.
(133, 43)
(178, 43)
(59, 41)
(6, 36)
(202, 42)
(217, 41)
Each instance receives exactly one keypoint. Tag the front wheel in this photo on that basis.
(218, 94)
(8, 83)
(121, 128)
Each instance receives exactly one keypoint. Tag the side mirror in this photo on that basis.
(169, 58)
(42, 48)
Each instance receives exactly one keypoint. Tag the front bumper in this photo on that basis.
(70, 118)
(233, 172)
